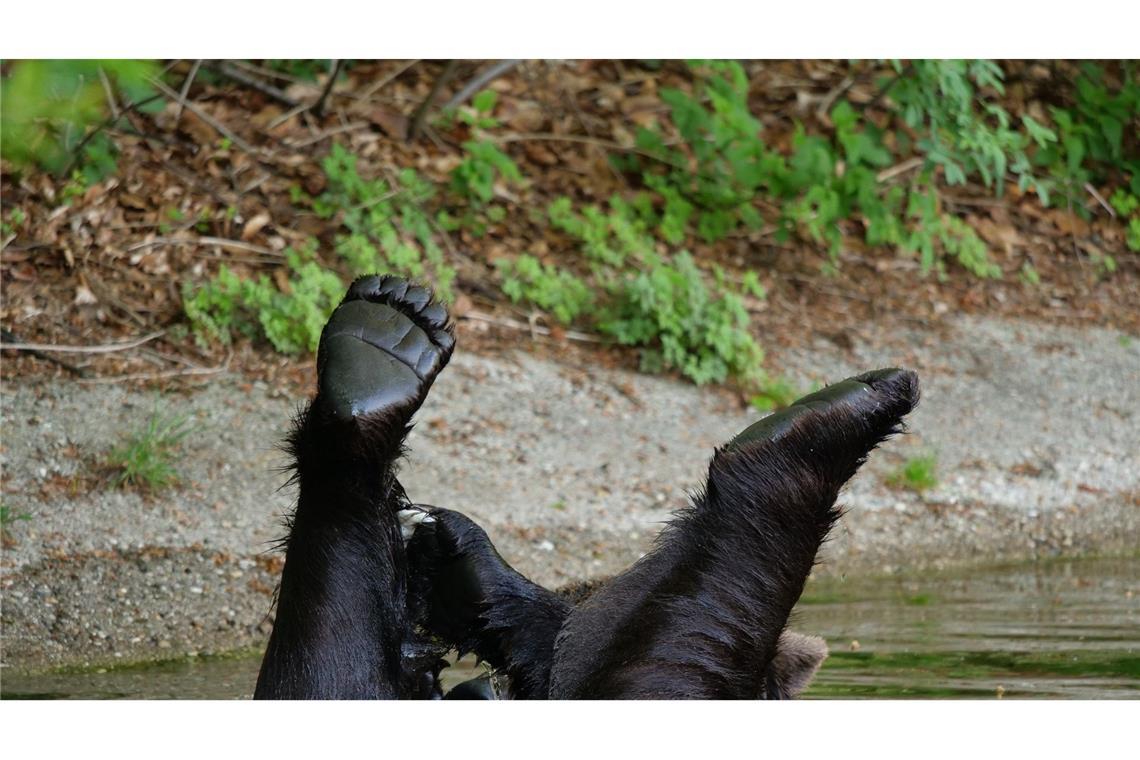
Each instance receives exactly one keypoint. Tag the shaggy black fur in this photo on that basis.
(343, 628)
(702, 616)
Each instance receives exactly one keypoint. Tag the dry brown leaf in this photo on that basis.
(391, 122)
(254, 225)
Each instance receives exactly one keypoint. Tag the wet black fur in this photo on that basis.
(343, 626)
(702, 616)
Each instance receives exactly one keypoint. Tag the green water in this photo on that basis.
(1051, 630)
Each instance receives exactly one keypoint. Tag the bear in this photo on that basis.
(377, 588)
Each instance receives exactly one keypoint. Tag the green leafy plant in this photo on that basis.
(681, 322)
(8, 516)
(146, 458)
(775, 393)
(291, 319)
(53, 109)
(386, 225)
(483, 164)
(662, 303)
(1127, 206)
(825, 183)
(961, 128)
(557, 291)
(918, 473)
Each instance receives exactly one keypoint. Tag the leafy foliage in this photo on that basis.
(290, 317)
(711, 185)
(146, 458)
(483, 164)
(549, 288)
(8, 516)
(51, 106)
(387, 226)
(918, 473)
(663, 304)
(682, 322)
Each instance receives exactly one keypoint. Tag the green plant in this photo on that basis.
(386, 225)
(918, 473)
(681, 322)
(483, 163)
(146, 458)
(1128, 206)
(15, 221)
(962, 129)
(662, 303)
(1093, 133)
(291, 318)
(53, 109)
(774, 393)
(8, 516)
(826, 182)
(549, 288)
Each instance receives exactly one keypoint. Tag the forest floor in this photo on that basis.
(1030, 390)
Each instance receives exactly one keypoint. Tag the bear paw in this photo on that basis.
(381, 349)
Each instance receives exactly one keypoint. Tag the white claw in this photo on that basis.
(410, 519)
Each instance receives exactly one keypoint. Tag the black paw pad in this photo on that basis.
(382, 348)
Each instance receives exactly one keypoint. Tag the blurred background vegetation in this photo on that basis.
(301, 174)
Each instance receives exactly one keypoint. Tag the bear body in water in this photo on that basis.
(377, 588)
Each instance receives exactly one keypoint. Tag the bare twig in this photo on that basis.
(375, 87)
(329, 133)
(106, 348)
(221, 128)
(77, 151)
(416, 123)
(826, 102)
(157, 375)
(532, 328)
(295, 110)
(319, 106)
(109, 92)
(479, 82)
(10, 338)
(585, 140)
(204, 240)
(899, 168)
(1099, 199)
(186, 89)
(227, 69)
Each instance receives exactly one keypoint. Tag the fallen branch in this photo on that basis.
(416, 123)
(516, 325)
(900, 168)
(480, 81)
(186, 89)
(1099, 199)
(9, 339)
(230, 71)
(204, 240)
(219, 127)
(319, 106)
(329, 133)
(373, 88)
(156, 375)
(106, 348)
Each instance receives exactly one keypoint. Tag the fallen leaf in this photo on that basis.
(254, 225)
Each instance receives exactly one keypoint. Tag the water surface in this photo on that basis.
(1047, 630)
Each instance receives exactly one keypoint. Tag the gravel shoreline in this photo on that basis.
(1034, 426)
